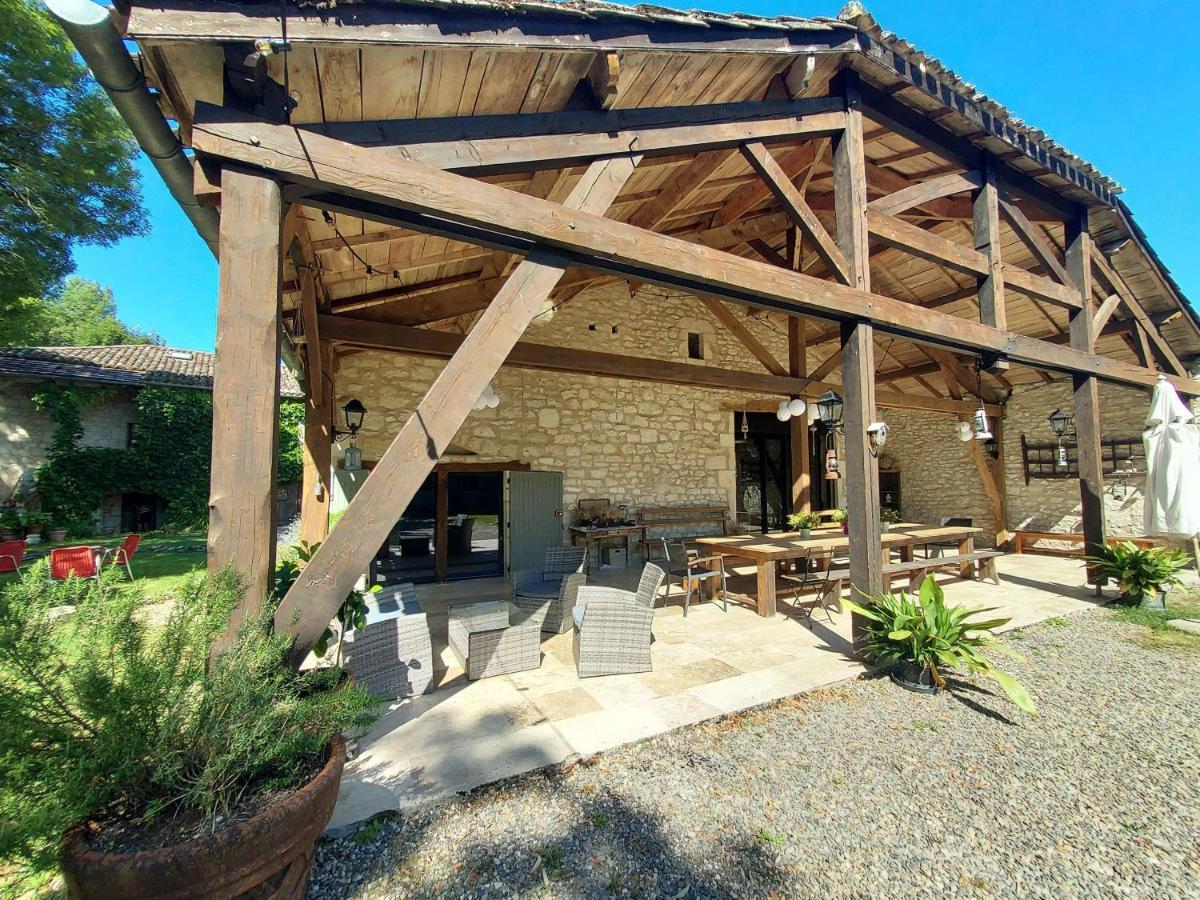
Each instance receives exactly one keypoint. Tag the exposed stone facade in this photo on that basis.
(649, 444)
(27, 431)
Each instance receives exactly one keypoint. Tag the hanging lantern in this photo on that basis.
(745, 425)
(992, 447)
(980, 426)
(1062, 461)
(829, 409)
(1059, 422)
(832, 467)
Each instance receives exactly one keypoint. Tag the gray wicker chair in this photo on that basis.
(392, 656)
(553, 613)
(493, 638)
(612, 627)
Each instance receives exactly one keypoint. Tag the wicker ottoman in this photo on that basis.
(494, 638)
(392, 656)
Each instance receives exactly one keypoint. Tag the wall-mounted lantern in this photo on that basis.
(354, 412)
(1061, 424)
(829, 409)
(992, 446)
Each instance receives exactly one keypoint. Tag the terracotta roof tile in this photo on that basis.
(129, 364)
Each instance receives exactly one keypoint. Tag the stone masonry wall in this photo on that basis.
(1051, 504)
(25, 431)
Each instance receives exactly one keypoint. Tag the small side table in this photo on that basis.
(494, 638)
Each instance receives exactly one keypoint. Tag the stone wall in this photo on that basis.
(26, 431)
(1051, 504)
(633, 442)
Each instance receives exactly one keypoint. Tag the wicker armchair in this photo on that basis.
(392, 655)
(612, 627)
(552, 613)
(493, 638)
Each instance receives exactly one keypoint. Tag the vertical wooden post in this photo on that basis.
(318, 456)
(441, 524)
(987, 242)
(241, 526)
(798, 425)
(1086, 388)
(861, 469)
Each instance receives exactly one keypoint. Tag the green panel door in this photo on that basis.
(535, 517)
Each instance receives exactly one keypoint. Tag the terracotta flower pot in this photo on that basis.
(270, 855)
(58, 535)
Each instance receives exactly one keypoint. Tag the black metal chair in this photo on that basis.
(691, 570)
(934, 549)
(816, 570)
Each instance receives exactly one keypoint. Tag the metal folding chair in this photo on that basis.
(817, 572)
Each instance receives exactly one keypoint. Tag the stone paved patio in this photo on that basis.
(464, 734)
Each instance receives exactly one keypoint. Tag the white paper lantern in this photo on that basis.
(783, 413)
(965, 432)
(797, 407)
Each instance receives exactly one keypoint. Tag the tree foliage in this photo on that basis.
(80, 313)
(169, 455)
(66, 158)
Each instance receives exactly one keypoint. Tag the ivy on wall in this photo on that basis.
(169, 455)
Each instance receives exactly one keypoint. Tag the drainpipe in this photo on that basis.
(94, 33)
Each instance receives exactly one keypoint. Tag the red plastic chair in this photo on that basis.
(123, 553)
(12, 554)
(73, 562)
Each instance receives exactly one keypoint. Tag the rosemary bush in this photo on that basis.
(108, 717)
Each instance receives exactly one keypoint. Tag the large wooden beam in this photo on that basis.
(1117, 285)
(1086, 397)
(792, 200)
(548, 358)
(924, 191)
(986, 231)
(1034, 238)
(241, 505)
(449, 205)
(492, 144)
(679, 190)
(748, 197)
(315, 597)
(318, 463)
(860, 468)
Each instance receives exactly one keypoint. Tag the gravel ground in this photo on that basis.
(863, 790)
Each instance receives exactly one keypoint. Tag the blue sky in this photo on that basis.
(1103, 78)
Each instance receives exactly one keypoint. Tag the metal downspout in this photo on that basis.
(93, 32)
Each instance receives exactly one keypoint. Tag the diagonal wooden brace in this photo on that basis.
(331, 574)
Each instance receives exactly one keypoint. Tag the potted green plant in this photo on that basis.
(56, 533)
(1142, 574)
(888, 517)
(10, 524)
(920, 637)
(841, 517)
(143, 765)
(35, 522)
(803, 522)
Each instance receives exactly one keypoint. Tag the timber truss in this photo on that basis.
(447, 178)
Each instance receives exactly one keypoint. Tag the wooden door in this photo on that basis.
(535, 517)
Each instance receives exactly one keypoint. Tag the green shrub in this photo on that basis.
(803, 520)
(929, 634)
(107, 717)
(1138, 571)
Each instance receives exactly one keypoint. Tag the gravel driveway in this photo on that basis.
(862, 790)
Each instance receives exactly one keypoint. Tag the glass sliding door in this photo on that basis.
(763, 476)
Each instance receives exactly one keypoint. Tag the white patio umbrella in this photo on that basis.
(1172, 502)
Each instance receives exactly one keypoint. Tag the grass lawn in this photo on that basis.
(156, 573)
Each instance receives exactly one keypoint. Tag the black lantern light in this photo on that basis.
(1059, 423)
(829, 409)
(354, 412)
(992, 447)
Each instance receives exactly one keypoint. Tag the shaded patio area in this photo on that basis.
(711, 663)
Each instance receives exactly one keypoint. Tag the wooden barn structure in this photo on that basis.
(428, 177)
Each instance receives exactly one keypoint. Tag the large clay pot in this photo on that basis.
(268, 856)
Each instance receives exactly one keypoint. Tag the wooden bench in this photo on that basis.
(919, 568)
(1023, 539)
(668, 516)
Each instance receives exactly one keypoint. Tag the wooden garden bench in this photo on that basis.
(917, 569)
(668, 516)
(1023, 539)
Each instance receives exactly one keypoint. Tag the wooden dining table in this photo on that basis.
(767, 551)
